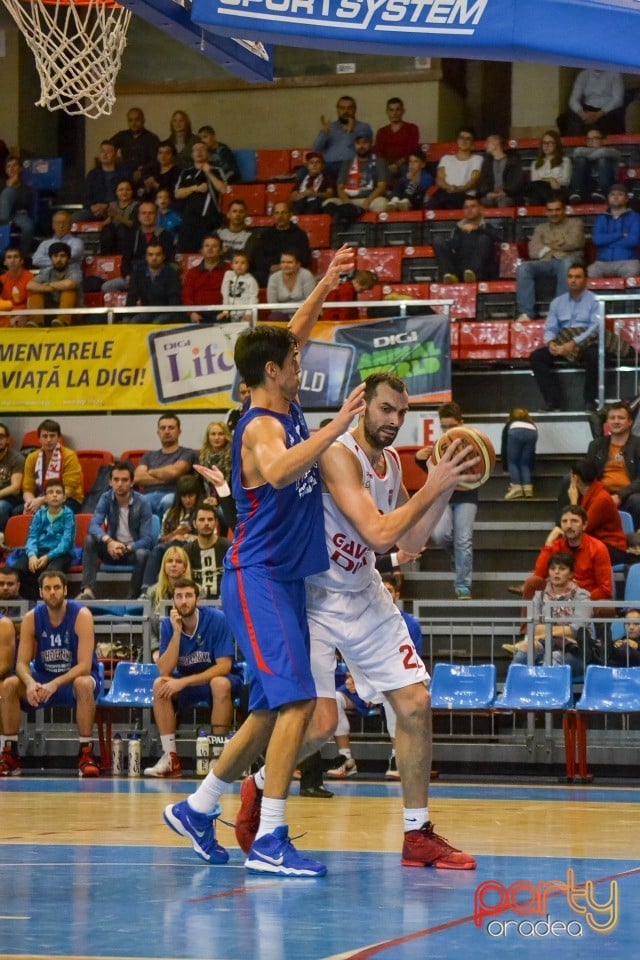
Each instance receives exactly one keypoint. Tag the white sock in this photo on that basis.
(271, 816)
(207, 796)
(346, 752)
(85, 740)
(168, 741)
(259, 778)
(414, 818)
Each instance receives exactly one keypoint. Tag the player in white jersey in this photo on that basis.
(367, 510)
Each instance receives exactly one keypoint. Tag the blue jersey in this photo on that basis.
(211, 640)
(57, 647)
(282, 530)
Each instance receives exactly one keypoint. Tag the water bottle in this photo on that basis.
(117, 756)
(217, 745)
(134, 755)
(202, 753)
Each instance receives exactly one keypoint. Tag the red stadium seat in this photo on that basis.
(413, 476)
(253, 194)
(91, 461)
(386, 262)
(16, 531)
(134, 456)
(317, 226)
(103, 266)
(278, 193)
(273, 164)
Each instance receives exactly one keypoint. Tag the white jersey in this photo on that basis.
(351, 560)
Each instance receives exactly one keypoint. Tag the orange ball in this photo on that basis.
(478, 442)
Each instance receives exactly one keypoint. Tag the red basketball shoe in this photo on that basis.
(424, 848)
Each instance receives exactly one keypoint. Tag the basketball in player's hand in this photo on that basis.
(478, 444)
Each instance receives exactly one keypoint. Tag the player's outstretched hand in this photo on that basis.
(457, 465)
(353, 406)
(343, 262)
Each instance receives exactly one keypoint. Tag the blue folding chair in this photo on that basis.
(533, 689)
(132, 686)
(606, 690)
(627, 522)
(457, 686)
(632, 586)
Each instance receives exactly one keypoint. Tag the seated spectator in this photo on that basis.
(219, 497)
(266, 247)
(347, 291)
(158, 471)
(163, 174)
(603, 516)
(616, 235)
(412, 185)
(9, 591)
(624, 652)
(221, 157)
(198, 189)
(457, 175)
(337, 141)
(554, 247)
(177, 527)
(616, 459)
(182, 137)
(244, 394)
(175, 565)
(239, 288)
(154, 283)
(100, 185)
(120, 532)
(56, 666)
(235, 236)
(168, 219)
(11, 474)
(501, 178)
(58, 285)
(136, 147)
(362, 184)
(50, 539)
(122, 214)
(202, 285)
(594, 169)
(291, 283)
(216, 448)
(195, 661)
(207, 551)
(550, 171)
(470, 251)
(61, 226)
(132, 244)
(17, 204)
(597, 100)
(13, 288)
(52, 462)
(397, 140)
(518, 451)
(313, 186)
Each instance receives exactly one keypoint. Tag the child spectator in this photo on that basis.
(413, 185)
(239, 288)
(50, 540)
(167, 218)
(519, 439)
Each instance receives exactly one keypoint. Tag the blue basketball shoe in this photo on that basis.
(197, 827)
(274, 853)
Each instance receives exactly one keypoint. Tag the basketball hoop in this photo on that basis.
(78, 47)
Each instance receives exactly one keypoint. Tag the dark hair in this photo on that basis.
(576, 510)
(122, 465)
(577, 266)
(374, 380)
(586, 470)
(46, 574)
(621, 405)
(558, 152)
(186, 582)
(562, 560)
(255, 348)
(53, 482)
(450, 410)
(169, 416)
(12, 246)
(4, 427)
(154, 245)
(207, 128)
(556, 197)
(208, 506)
(10, 572)
(417, 153)
(170, 144)
(238, 200)
(394, 100)
(51, 426)
(466, 130)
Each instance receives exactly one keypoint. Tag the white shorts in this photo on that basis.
(368, 630)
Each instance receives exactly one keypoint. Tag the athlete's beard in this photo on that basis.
(376, 438)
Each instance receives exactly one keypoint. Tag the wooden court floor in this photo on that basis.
(88, 869)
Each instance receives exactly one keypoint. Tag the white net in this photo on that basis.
(78, 48)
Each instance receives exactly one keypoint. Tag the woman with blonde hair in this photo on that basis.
(550, 171)
(175, 564)
(216, 448)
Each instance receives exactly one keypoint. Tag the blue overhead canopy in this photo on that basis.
(593, 33)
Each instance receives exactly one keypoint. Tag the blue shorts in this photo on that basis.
(64, 696)
(194, 696)
(268, 619)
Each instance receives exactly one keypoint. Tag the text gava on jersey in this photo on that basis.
(348, 554)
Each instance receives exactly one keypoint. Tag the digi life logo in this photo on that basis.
(531, 901)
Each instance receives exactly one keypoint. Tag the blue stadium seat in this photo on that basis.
(627, 522)
(460, 687)
(132, 685)
(247, 164)
(610, 690)
(632, 586)
(536, 688)
(44, 173)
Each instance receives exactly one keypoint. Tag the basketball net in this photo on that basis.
(78, 47)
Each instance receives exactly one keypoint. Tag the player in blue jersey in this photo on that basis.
(56, 666)
(279, 540)
(195, 663)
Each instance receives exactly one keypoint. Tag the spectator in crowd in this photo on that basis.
(239, 289)
(168, 219)
(550, 171)
(9, 590)
(221, 157)
(198, 189)
(175, 565)
(235, 236)
(132, 244)
(13, 288)
(594, 169)
(616, 235)
(17, 204)
(518, 451)
(413, 184)
(11, 474)
(265, 248)
(120, 532)
(154, 283)
(61, 226)
(624, 652)
(554, 247)
(182, 137)
(177, 527)
(50, 539)
(362, 184)
(100, 185)
(163, 174)
(501, 178)
(291, 283)
(195, 661)
(596, 100)
(122, 214)
(347, 291)
(58, 285)
(216, 448)
(569, 331)
(56, 666)
(244, 394)
(206, 552)
(53, 461)
(336, 141)
(158, 470)
(616, 459)
(202, 285)
(458, 174)
(313, 186)
(136, 146)
(218, 496)
(397, 139)
(470, 251)
(603, 516)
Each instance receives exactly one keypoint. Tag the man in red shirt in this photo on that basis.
(202, 285)
(13, 288)
(398, 139)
